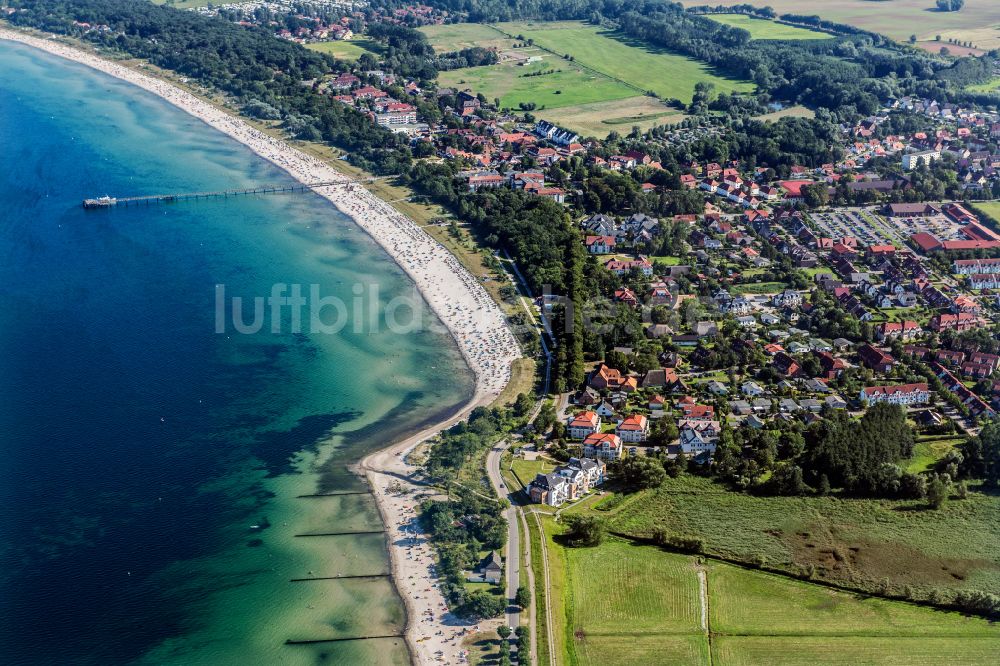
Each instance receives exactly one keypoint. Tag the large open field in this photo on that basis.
(978, 21)
(568, 85)
(764, 29)
(458, 36)
(599, 91)
(619, 115)
(347, 49)
(636, 64)
(627, 604)
(855, 542)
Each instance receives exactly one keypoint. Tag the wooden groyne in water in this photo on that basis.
(345, 532)
(336, 493)
(354, 577)
(111, 202)
(291, 641)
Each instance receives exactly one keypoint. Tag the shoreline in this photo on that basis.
(460, 302)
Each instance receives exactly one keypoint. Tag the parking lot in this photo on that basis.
(868, 227)
(940, 226)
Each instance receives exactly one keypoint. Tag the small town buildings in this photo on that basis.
(489, 570)
(927, 157)
(551, 489)
(603, 446)
(963, 321)
(568, 482)
(876, 359)
(896, 330)
(697, 437)
(633, 429)
(584, 424)
(900, 394)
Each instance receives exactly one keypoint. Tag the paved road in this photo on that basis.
(513, 563)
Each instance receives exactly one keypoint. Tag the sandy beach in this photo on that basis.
(456, 297)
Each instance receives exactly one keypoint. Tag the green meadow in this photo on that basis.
(624, 603)
(347, 49)
(568, 85)
(764, 29)
(646, 68)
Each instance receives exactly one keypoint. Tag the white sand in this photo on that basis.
(455, 295)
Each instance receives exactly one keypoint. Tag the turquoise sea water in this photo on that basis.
(139, 447)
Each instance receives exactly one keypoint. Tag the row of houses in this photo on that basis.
(634, 428)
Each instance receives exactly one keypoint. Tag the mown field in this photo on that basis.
(348, 49)
(990, 208)
(989, 86)
(855, 542)
(183, 4)
(746, 602)
(458, 36)
(620, 115)
(646, 68)
(852, 651)
(764, 29)
(569, 85)
(976, 22)
(627, 604)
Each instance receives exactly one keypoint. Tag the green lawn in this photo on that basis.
(746, 602)
(527, 469)
(635, 604)
(852, 651)
(929, 451)
(637, 64)
(458, 36)
(568, 86)
(990, 208)
(757, 288)
(183, 4)
(989, 86)
(348, 49)
(764, 29)
(857, 542)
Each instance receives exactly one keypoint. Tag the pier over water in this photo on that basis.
(110, 202)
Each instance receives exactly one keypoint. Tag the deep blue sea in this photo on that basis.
(149, 466)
